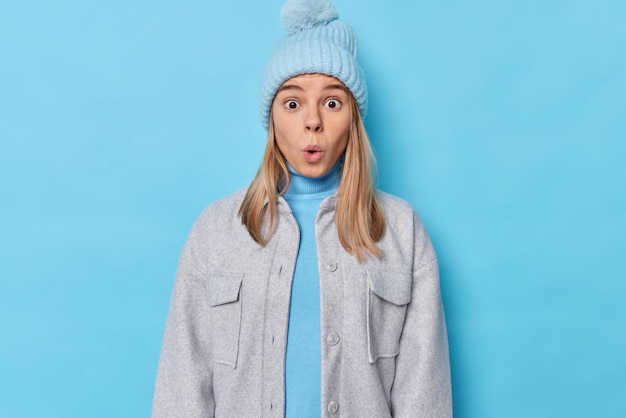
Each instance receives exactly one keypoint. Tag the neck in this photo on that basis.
(302, 185)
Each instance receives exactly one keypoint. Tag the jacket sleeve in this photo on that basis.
(184, 378)
(422, 386)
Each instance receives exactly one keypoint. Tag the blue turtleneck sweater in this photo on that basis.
(303, 361)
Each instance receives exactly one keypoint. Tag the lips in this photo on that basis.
(312, 153)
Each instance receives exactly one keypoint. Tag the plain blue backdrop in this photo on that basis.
(502, 122)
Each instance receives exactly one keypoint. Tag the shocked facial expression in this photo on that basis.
(311, 114)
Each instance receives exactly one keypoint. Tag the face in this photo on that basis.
(311, 115)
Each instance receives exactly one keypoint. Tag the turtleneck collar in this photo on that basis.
(326, 184)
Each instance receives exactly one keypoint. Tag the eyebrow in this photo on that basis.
(298, 88)
(289, 87)
(336, 87)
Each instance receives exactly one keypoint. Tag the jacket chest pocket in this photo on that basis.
(388, 295)
(225, 316)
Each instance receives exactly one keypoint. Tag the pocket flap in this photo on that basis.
(224, 287)
(392, 286)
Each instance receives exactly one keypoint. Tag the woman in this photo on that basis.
(310, 293)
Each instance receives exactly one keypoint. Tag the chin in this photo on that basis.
(307, 172)
(316, 172)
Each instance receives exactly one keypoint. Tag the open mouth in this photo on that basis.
(312, 154)
(312, 149)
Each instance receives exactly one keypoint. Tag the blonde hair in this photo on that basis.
(358, 215)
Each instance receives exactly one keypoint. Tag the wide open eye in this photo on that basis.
(292, 104)
(333, 104)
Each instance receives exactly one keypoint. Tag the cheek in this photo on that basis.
(282, 138)
(343, 144)
(280, 141)
(283, 124)
(279, 127)
(343, 130)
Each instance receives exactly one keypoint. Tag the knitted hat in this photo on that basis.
(316, 42)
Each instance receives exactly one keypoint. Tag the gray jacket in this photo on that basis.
(384, 344)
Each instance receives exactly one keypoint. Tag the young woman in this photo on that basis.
(310, 293)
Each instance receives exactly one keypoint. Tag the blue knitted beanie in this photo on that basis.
(316, 42)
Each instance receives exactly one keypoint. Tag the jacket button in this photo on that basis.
(333, 339)
(331, 266)
(333, 407)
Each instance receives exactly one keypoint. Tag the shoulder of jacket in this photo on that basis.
(222, 209)
(226, 203)
(394, 205)
(400, 213)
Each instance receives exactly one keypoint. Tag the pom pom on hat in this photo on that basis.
(299, 15)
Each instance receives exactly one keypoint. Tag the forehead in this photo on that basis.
(312, 82)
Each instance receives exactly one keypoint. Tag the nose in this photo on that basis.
(313, 122)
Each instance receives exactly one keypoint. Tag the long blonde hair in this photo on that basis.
(359, 216)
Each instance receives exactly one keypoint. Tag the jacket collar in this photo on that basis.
(328, 204)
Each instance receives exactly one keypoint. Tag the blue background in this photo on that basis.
(502, 122)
